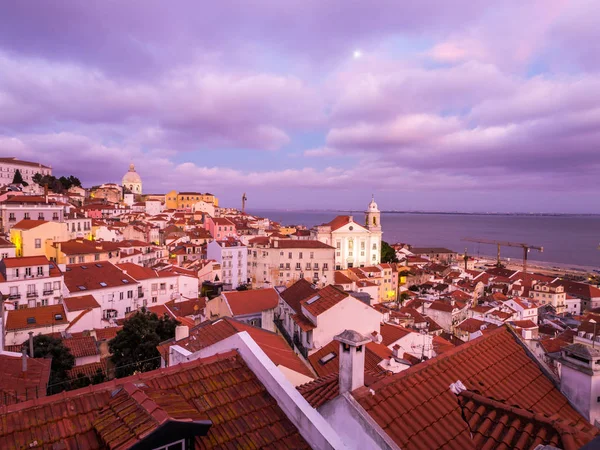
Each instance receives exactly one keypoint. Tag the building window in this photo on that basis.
(154, 299)
(298, 266)
(81, 259)
(121, 296)
(290, 255)
(96, 257)
(26, 216)
(163, 286)
(41, 216)
(28, 271)
(316, 266)
(300, 255)
(338, 245)
(40, 270)
(72, 260)
(312, 255)
(325, 266)
(129, 294)
(280, 254)
(38, 243)
(308, 266)
(128, 310)
(44, 302)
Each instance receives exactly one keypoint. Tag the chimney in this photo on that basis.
(376, 337)
(24, 359)
(352, 360)
(396, 351)
(31, 344)
(181, 332)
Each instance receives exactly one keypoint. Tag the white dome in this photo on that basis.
(131, 176)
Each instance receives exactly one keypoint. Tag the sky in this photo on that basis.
(439, 106)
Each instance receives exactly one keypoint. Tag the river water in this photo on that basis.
(566, 239)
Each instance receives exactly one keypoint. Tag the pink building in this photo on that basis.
(220, 228)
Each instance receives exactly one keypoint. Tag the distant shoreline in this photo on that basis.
(452, 213)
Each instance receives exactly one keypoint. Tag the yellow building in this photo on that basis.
(33, 237)
(185, 200)
(286, 231)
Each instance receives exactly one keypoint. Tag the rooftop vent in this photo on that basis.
(58, 317)
(312, 300)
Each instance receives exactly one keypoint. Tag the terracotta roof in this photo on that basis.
(298, 291)
(391, 333)
(106, 334)
(440, 305)
(184, 308)
(323, 300)
(38, 317)
(221, 388)
(81, 346)
(340, 221)
(87, 277)
(90, 370)
(299, 243)
(327, 388)
(554, 345)
(340, 278)
(505, 426)
(441, 345)
(80, 303)
(252, 301)
(524, 324)
(471, 325)
(417, 409)
(28, 224)
(582, 290)
(25, 261)
(209, 333)
(18, 386)
(303, 322)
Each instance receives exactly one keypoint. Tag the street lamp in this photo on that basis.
(594, 335)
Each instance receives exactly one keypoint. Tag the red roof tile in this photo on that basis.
(106, 334)
(303, 322)
(391, 333)
(40, 316)
(81, 346)
(297, 292)
(28, 224)
(251, 302)
(18, 386)
(90, 370)
(471, 325)
(417, 409)
(87, 277)
(221, 388)
(323, 300)
(326, 361)
(274, 346)
(80, 303)
(504, 426)
(25, 261)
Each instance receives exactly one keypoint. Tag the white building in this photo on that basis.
(356, 245)
(30, 282)
(274, 261)
(132, 181)
(115, 291)
(550, 293)
(232, 255)
(29, 207)
(8, 167)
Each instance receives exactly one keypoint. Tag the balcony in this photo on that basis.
(14, 296)
(281, 328)
(12, 219)
(48, 292)
(298, 344)
(32, 294)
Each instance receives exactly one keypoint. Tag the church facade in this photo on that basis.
(356, 245)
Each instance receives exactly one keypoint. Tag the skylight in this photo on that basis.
(84, 267)
(328, 357)
(58, 317)
(98, 265)
(312, 300)
(125, 281)
(82, 288)
(103, 284)
(31, 320)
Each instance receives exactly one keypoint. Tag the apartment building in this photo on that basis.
(9, 166)
(220, 228)
(274, 261)
(30, 282)
(29, 207)
(232, 256)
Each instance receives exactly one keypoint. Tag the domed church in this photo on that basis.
(132, 181)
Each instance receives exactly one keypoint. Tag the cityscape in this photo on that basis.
(299, 225)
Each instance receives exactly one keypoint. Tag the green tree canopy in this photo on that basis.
(388, 254)
(45, 346)
(56, 184)
(18, 178)
(134, 347)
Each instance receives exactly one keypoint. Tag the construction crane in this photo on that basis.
(244, 200)
(499, 244)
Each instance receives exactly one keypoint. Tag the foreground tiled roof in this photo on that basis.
(495, 424)
(298, 291)
(221, 389)
(252, 301)
(81, 346)
(18, 386)
(418, 411)
(274, 345)
(374, 354)
(80, 303)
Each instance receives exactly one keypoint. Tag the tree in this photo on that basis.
(388, 254)
(57, 185)
(45, 346)
(403, 297)
(134, 347)
(18, 179)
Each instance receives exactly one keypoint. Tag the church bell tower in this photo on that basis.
(373, 217)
